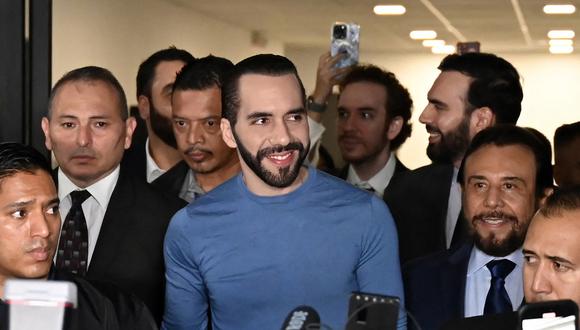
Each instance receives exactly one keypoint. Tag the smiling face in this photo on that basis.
(362, 122)
(196, 123)
(29, 225)
(86, 131)
(445, 117)
(499, 196)
(271, 132)
(552, 258)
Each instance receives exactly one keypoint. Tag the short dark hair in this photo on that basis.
(265, 64)
(399, 102)
(496, 84)
(566, 134)
(146, 73)
(16, 157)
(203, 73)
(506, 135)
(563, 199)
(91, 74)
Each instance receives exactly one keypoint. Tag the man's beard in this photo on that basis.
(286, 175)
(161, 126)
(491, 245)
(452, 145)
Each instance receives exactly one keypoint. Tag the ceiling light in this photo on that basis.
(445, 49)
(561, 42)
(389, 10)
(433, 42)
(561, 34)
(559, 9)
(561, 49)
(423, 34)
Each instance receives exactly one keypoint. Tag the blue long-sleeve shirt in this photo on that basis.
(253, 259)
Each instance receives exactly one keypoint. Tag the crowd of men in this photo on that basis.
(219, 219)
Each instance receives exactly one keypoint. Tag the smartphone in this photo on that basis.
(468, 47)
(367, 311)
(549, 315)
(344, 38)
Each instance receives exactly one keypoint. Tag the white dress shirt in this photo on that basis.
(153, 170)
(453, 208)
(94, 207)
(379, 181)
(478, 281)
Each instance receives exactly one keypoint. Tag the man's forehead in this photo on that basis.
(264, 89)
(563, 228)
(94, 98)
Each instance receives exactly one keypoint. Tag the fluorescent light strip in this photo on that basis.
(522, 22)
(561, 49)
(443, 20)
(445, 49)
(559, 9)
(389, 10)
(433, 43)
(561, 34)
(561, 42)
(423, 34)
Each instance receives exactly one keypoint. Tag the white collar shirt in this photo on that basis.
(153, 170)
(379, 181)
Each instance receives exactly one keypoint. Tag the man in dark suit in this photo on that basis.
(196, 114)
(504, 177)
(117, 221)
(150, 158)
(374, 112)
(29, 232)
(473, 91)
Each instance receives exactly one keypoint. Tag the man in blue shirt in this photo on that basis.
(278, 235)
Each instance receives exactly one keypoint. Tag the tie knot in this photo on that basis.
(79, 196)
(500, 268)
(364, 185)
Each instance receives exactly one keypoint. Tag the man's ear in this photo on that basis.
(45, 124)
(130, 125)
(227, 133)
(144, 107)
(395, 126)
(481, 118)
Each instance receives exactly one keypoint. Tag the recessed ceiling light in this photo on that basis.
(559, 9)
(389, 10)
(561, 34)
(561, 42)
(423, 34)
(445, 49)
(561, 49)
(433, 42)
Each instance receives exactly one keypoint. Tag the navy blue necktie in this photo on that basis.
(497, 300)
(73, 246)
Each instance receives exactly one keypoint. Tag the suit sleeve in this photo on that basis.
(379, 269)
(185, 297)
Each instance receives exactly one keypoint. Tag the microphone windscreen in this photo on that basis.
(300, 318)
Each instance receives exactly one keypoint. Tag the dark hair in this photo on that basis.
(91, 74)
(264, 64)
(563, 199)
(496, 84)
(399, 102)
(146, 73)
(203, 73)
(566, 134)
(16, 157)
(506, 135)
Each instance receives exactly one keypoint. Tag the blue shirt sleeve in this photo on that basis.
(379, 269)
(185, 294)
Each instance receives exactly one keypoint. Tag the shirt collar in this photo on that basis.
(479, 259)
(153, 170)
(100, 190)
(380, 180)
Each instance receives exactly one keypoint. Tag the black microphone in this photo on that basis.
(302, 318)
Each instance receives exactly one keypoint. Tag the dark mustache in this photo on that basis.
(432, 129)
(193, 149)
(495, 214)
(263, 153)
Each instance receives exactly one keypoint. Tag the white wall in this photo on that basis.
(120, 34)
(551, 86)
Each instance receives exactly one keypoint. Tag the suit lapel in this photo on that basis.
(115, 227)
(453, 279)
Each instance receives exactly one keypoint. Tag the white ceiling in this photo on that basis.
(306, 23)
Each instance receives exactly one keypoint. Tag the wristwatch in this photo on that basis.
(315, 107)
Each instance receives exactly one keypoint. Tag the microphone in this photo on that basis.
(37, 304)
(302, 318)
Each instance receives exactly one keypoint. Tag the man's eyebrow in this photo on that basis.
(436, 102)
(55, 200)
(19, 204)
(513, 178)
(476, 177)
(296, 111)
(258, 114)
(525, 251)
(560, 260)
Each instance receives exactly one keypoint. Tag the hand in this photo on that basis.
(327, 76)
